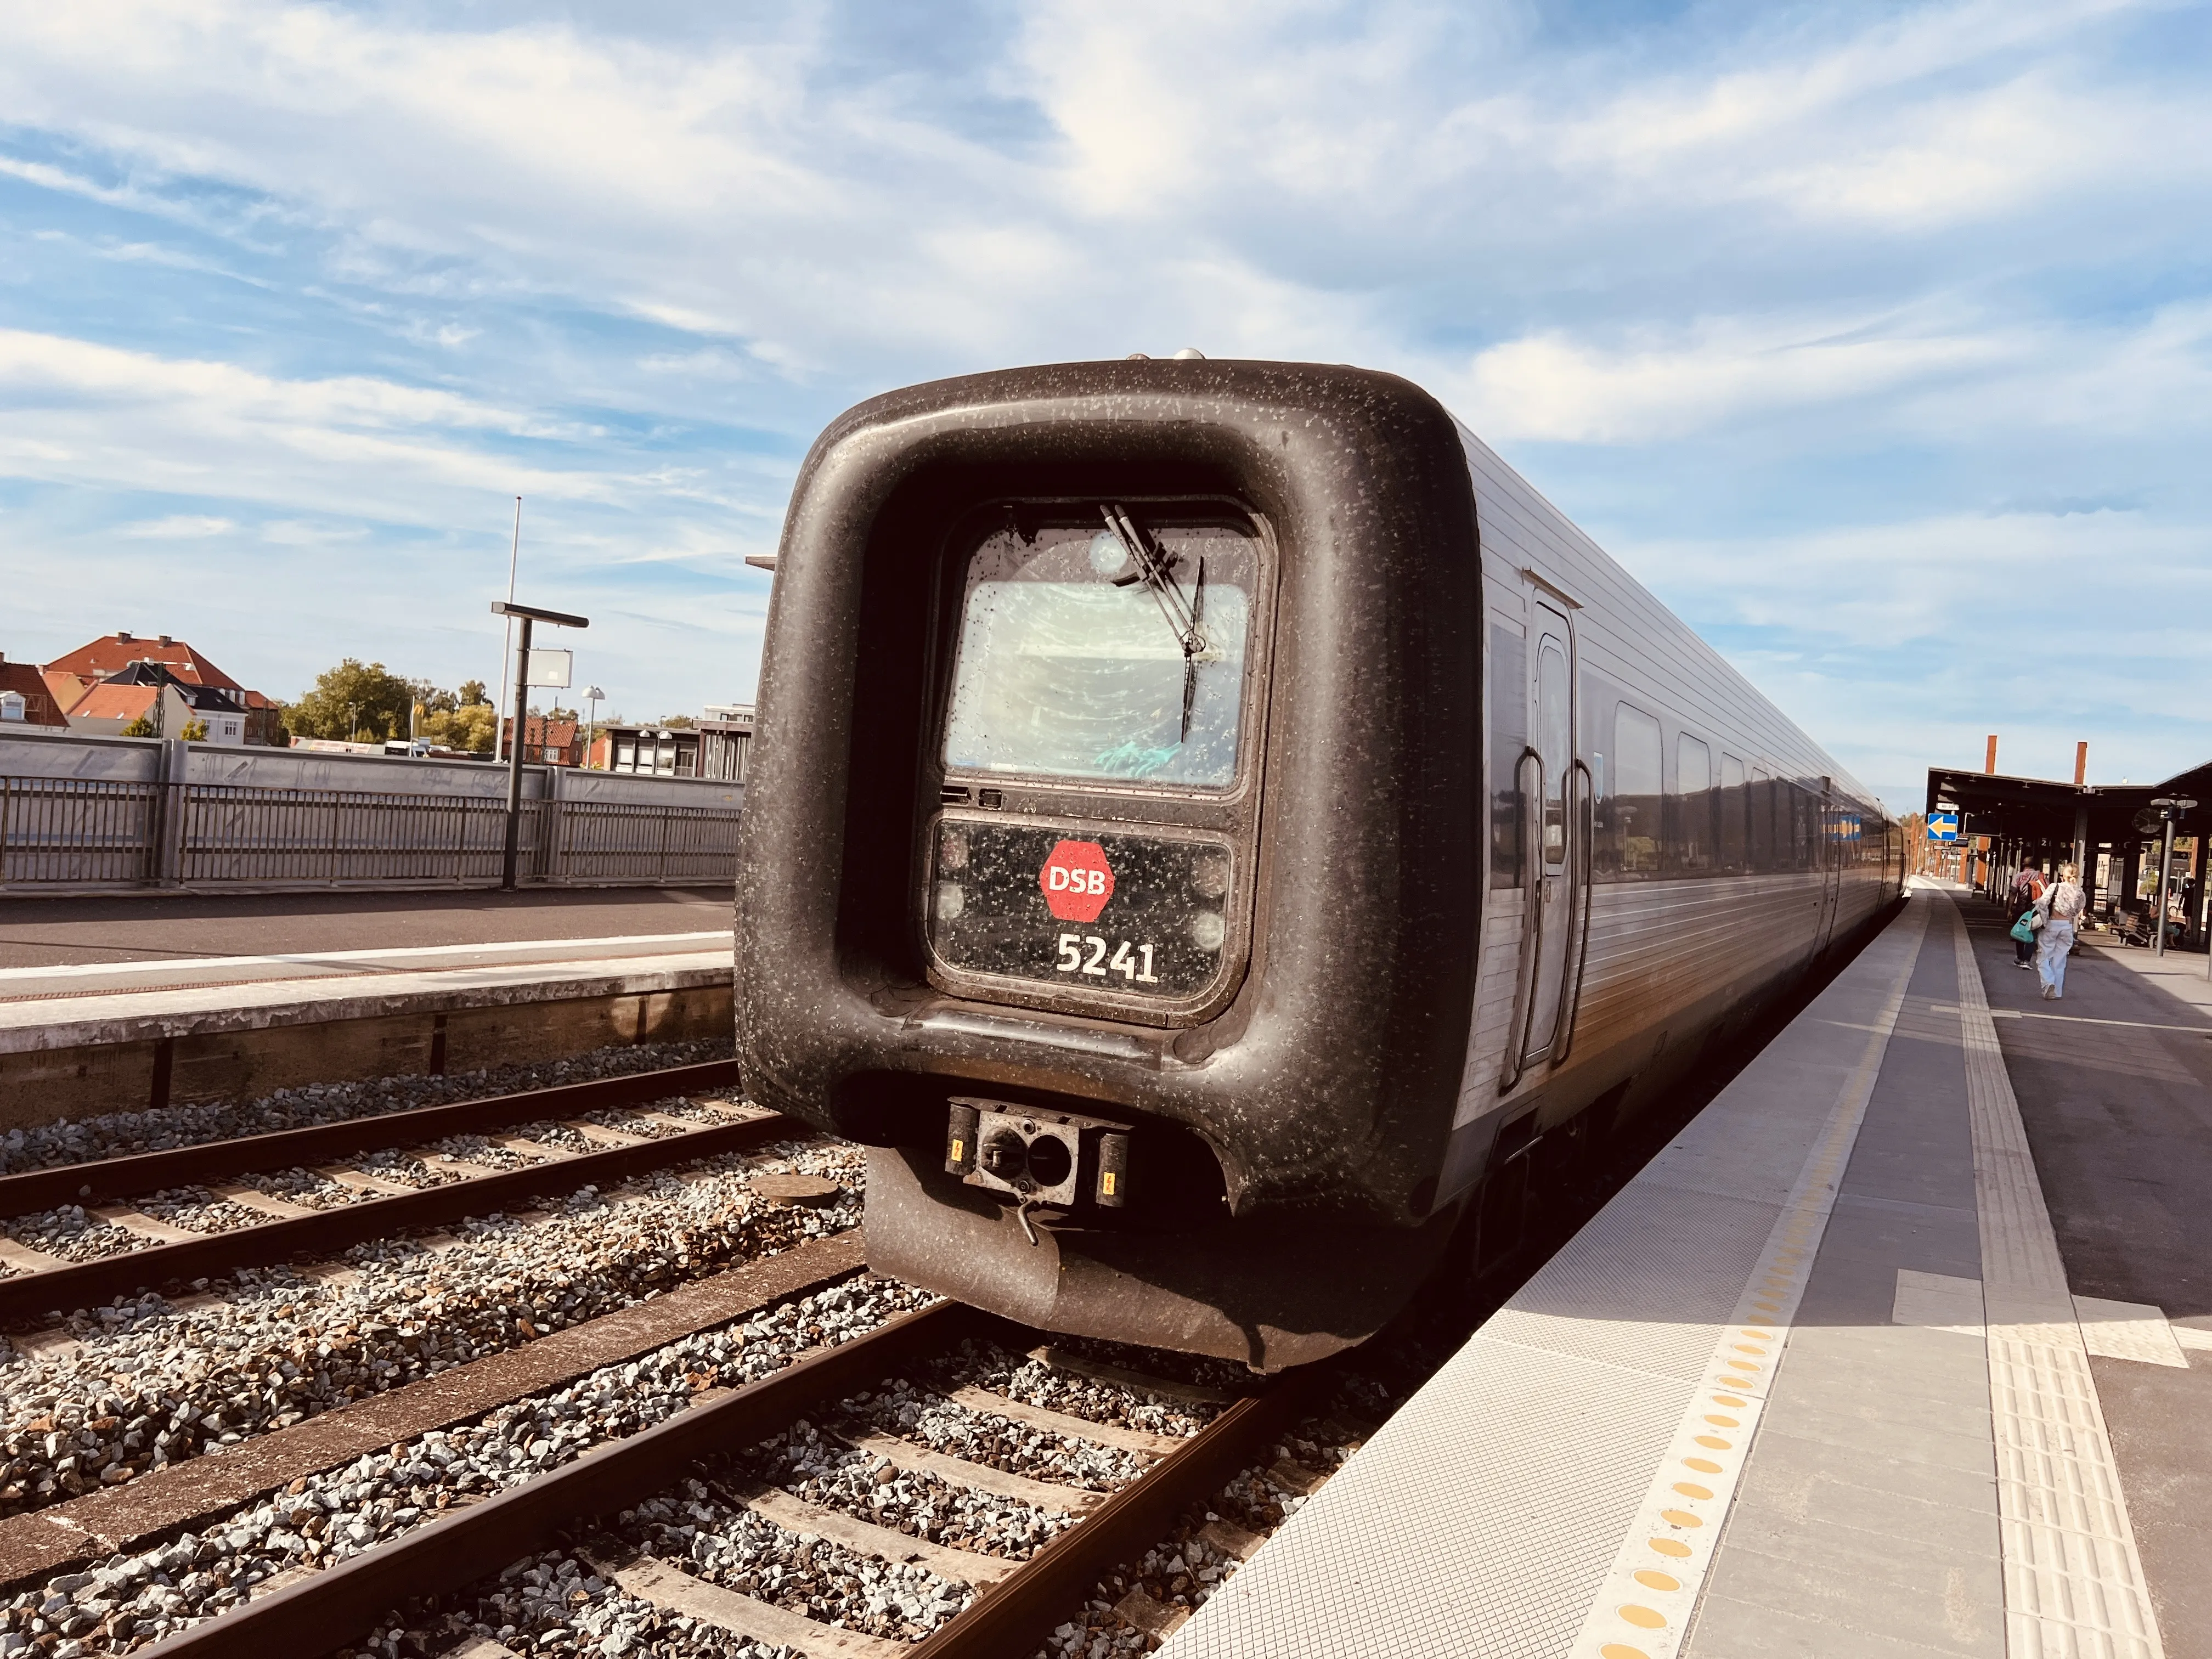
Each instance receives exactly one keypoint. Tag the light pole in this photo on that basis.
(353, 722)
(594, 696)
(514, 554)
(2170, 807)
(529, 614)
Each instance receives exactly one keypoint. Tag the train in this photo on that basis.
(1213, 827)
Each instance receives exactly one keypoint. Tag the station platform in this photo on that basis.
(1903, 1347)
(227, 999)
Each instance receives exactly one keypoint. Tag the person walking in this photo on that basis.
(2026, 893)
(2061, 905)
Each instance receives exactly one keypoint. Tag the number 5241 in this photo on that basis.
(1124, 961)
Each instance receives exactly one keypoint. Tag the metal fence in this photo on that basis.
(93, 833)
(77, 830)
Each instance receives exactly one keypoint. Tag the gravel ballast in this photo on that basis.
(118, 1133)
(156, 1384)
(135, 1599)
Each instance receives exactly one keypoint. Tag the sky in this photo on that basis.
(1875, 339)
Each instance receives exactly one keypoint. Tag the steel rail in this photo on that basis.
(343, 1603)
(105, 1178)
(340, 1603)
(31, 1297)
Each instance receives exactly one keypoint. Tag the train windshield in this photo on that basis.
(1108, 649)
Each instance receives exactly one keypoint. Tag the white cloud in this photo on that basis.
(178, 527)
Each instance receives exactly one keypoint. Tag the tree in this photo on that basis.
(472, 693)
(677, 722)
(194, 732)
(143, 727)
(351, 698)
(470, 728)
(557, 712)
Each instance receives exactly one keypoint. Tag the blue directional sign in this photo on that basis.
(1942, 826)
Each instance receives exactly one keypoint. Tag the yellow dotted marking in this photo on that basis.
(1673, 1547)
(1712, 1442)
(1658, 1581)
(1761, 1319)
(1757, 1336)
(1702, 1465)
(1680, 1518)
(1621, 1651)
(1746, 1365)
(1644, 1617)
(1691, 1489)
(1728, 1400)
(1745, 1347)
(1724, 1422)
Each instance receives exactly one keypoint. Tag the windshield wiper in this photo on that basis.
(1185, 617)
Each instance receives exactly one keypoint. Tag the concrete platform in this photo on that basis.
(114, 1030)
(1904, 1346)
(46, 931)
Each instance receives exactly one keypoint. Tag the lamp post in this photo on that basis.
(594, 696)
(353, 722)
(2170, 807)
(529, 614)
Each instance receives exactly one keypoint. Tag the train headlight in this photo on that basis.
(1207, 930)
(951, 901)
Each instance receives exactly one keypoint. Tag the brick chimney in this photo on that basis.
(121, 637)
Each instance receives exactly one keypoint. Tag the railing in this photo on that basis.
(77, 833)
(77, 830)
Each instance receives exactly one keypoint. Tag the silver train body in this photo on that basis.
(1494, 849)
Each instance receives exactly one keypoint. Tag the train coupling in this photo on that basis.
(1040, 1160)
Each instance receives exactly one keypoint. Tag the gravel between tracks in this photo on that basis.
(129, 1601)
(927, 1419)
(117, 1134)
(824, 1470)
(156, 1384)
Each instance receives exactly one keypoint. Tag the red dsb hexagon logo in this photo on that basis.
(1077, 880)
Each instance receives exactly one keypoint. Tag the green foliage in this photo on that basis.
(472, 693)
(677, 722)
(194, 732)
(353, 701)
(556, 713)
(143, 727)
(471, 727)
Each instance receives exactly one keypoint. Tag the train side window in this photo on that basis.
(1692, 836)
(1508, 692)
(1760, 807)
(1638, 799)
(1555, 739)
(1735, 817)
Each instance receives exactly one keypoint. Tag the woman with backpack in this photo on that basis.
(2026, 894)
(2060, 906)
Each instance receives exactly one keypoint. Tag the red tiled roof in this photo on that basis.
(40, 706)
(112, 653)
(116, 702)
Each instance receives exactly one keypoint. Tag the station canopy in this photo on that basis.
(2043, 810)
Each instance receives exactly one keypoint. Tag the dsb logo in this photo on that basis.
(1076, 881)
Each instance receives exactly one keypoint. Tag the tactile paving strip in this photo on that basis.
(1643, 1609)
(2074, 1582)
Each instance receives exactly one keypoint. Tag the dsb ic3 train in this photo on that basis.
(1211, 824)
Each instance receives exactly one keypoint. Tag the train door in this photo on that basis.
(1557, 788)
(1829, 850)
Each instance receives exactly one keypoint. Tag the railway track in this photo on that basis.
(42, 1285)
(588, 1506)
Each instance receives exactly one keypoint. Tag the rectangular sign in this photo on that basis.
(1942, 826)
(549, 668)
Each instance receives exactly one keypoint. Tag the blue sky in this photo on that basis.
(1876, 339)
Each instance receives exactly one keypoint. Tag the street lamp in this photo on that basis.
(2170, 807)
(594, 696)
(353, 722)
(529, 614)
